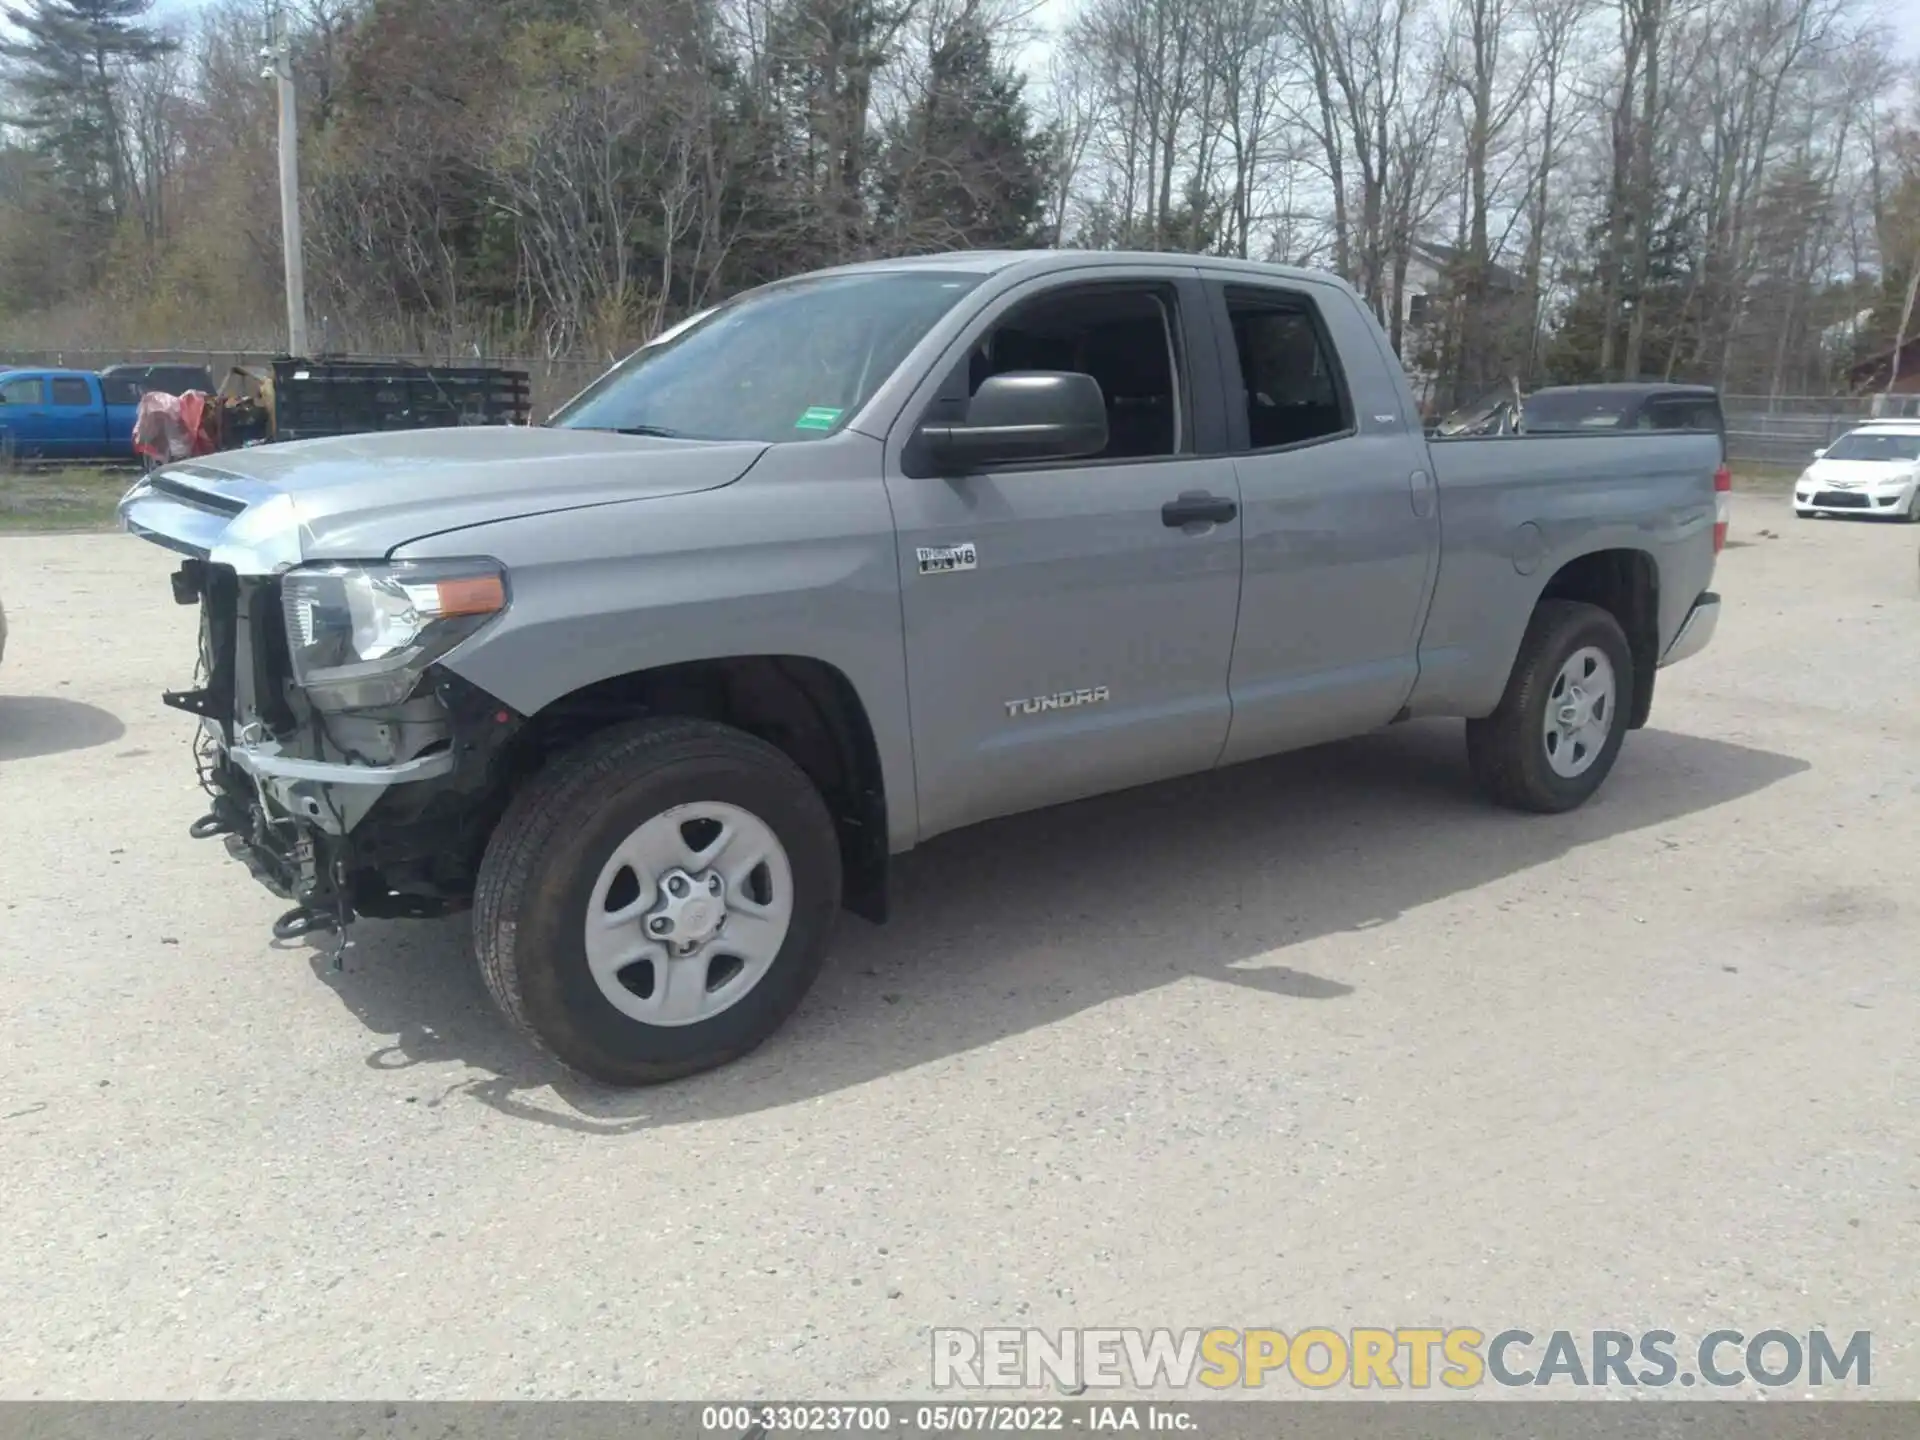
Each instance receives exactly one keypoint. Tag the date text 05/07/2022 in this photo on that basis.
(946, 1419)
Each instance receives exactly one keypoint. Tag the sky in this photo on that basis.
(1902, 15)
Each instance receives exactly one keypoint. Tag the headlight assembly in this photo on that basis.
(360, 635)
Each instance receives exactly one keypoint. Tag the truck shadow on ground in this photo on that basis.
(35, 725)
(1010, 926)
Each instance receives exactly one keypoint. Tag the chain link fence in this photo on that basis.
(1783, 431)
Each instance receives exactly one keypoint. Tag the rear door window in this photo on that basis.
(69, 391)
(1294, 390)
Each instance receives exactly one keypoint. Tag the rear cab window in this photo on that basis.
(1575, 412)
(1697, 413)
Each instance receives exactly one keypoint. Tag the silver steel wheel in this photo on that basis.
(689, 913)
(1579, 712)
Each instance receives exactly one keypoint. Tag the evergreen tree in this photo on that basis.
(965, 168)
(814, 121)
(66, 57)
(1670, 338)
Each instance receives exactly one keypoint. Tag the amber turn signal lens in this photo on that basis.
(480, 595)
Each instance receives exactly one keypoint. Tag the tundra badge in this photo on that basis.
(1065, 700)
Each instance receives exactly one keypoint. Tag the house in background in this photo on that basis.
(1424, 306)
(1871, 376)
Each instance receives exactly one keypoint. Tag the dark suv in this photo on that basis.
(125, 384)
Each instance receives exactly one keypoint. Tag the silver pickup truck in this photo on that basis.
(854, 559)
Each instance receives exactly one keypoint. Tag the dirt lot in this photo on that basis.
(1319, 1041)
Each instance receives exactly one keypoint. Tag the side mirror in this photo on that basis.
(1024, 415)
(1821, 453)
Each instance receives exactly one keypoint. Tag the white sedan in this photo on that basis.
(1874, 470)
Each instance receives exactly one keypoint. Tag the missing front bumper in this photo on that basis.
(399, 839)
(332, 797)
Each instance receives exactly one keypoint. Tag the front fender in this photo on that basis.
(797, 558)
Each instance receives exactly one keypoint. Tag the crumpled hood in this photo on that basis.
(360, 496)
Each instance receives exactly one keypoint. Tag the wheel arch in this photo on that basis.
(807, 708)
(1625, 582)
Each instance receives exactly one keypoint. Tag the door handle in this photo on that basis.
(1197, 507)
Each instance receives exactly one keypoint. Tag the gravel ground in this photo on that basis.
(1318, 1041)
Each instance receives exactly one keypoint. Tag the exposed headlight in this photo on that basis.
(361, 635)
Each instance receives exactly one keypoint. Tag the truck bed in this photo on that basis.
(1508, 502)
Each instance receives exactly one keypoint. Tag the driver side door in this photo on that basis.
(1068, 628)
(23, 415)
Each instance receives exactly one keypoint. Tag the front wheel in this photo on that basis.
(1559, 726)
(657, 901)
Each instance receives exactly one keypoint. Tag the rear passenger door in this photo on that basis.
(1340, 522)
(1069, 624)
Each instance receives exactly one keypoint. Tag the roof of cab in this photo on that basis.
(51, 372)
(1037, 262)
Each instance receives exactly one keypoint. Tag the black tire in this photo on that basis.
(1507, 751)
(541, 865)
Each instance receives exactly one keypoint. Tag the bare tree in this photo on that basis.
(1556, 26)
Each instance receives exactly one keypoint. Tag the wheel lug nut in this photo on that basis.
(660, 925)
(713, 885)
(677, 885)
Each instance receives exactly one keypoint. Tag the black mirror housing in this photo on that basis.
(1024, 416)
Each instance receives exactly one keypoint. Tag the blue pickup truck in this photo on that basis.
(64, 415)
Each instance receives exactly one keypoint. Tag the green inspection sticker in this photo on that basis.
(819, 417)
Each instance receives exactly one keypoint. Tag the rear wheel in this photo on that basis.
(1559, 727)
(658, 901)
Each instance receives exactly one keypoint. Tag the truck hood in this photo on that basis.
(359, 496)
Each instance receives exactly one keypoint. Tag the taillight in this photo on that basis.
(1722, 506)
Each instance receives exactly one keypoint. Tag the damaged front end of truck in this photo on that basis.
(350, 771)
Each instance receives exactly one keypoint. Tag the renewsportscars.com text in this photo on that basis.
(1383, 1358)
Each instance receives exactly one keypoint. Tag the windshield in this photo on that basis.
(1864, 445)
(1574, 412)
(787, 362)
